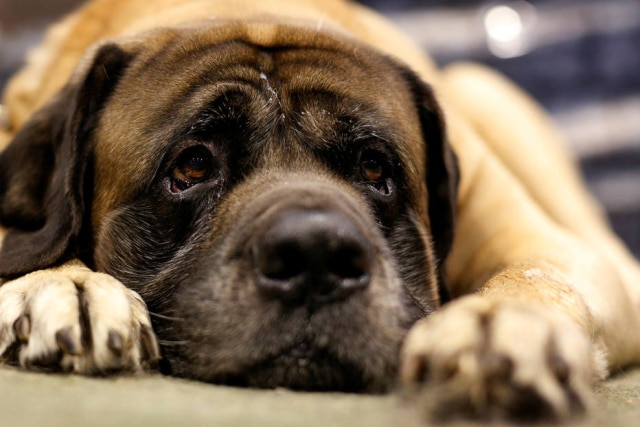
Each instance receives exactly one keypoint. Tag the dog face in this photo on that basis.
(281, 199)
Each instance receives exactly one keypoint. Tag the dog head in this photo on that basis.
(282, 199)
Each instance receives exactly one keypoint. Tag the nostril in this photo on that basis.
(311, 255)
(350, 263)
(282, 261)
(279, 270)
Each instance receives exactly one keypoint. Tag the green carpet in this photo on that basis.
(32, 399)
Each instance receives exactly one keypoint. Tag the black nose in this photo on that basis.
(311, 256)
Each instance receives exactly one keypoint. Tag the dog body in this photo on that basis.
(273, 178)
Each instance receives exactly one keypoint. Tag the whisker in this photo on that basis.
(165, 317)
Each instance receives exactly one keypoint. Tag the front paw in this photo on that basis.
(486, 359)
(73, 319)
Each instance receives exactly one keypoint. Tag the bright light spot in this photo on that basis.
(503, 24)
(507, 27)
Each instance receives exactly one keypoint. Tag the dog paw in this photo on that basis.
(73, 319)
(506, 360)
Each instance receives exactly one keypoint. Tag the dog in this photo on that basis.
(288, 193)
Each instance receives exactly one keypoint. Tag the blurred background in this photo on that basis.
(579, 58)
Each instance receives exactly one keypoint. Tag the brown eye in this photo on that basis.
(372, 167)
(375, 172)
(194, 165)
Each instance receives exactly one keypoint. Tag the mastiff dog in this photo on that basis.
(287, 193)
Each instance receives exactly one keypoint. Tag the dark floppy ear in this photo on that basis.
(43, 170)
(442, 175)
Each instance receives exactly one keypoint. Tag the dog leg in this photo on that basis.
(526, 347)
(548, 317)
(72, 319)
(533, 150)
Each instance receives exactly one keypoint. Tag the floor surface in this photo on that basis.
(32, 399)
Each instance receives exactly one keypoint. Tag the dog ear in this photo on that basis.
(442, 175)
(43, 170)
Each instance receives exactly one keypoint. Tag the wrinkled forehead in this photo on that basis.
(283, 71)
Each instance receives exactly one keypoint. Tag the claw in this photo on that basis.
(498, 368)
(150, 347)
(115, 343)
(421, 371)
(560, 369)
(67, 342)
(22, 327)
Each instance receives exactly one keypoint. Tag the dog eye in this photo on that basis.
(375, 172)
(194, 165)
(371, 170)
(373, 167)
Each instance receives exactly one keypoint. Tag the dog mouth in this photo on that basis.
(304, 351)
(307, 365)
